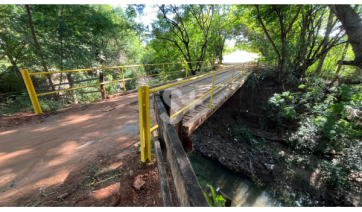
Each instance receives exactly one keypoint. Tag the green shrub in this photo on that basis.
(218, 200)
(242, 134)
(335, 176)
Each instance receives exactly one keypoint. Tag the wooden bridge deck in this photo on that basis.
(195, 115)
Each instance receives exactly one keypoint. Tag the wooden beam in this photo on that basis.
(102, 87)
(187, 187)
(162, 174)
(165, 96)
(178, 126)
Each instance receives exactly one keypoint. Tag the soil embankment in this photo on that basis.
(261, 153)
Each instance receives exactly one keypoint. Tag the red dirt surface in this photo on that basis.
(106, 181)
(47, 150)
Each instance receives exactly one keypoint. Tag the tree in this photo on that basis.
(352, 23)
(311, 46)
(280, 12)
(37, 46)
(325, 42)
(188, 21)
(223, 28)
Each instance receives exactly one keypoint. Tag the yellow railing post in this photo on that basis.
(163, 66)
(30, 87)
(232, 77)
(212, 90)
(242, 73)
(144, 116)
(124, 84)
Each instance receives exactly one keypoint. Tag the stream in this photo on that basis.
(241, 190)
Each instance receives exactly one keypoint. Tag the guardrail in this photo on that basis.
(144, 107)
(167, 145)
(34, 96)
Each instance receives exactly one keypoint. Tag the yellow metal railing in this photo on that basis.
(143, 92)
(144, 99)
(34, 96)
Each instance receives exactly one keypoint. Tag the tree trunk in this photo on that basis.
(61, 50)
(16, 69)
(37, 46)
(352, 23)
(71, 85)
(325, 42)
(343, 55)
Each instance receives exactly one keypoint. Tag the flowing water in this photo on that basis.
(241, 190)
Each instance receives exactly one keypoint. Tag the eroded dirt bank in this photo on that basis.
(263, 156)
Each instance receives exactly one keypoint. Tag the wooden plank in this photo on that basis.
(162, 175)
(201, 116)
(188, 190)
(178, 126)
(165, 96)
(159, 121)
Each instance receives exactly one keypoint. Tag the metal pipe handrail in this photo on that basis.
(112, 67)
(211, 91)
(184, 81)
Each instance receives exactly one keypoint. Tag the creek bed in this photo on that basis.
(241, 190)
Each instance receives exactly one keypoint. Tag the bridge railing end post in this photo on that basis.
(145, 122)
(31, 91)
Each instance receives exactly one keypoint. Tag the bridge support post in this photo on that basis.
(102, 87)
(124, 84)
(212, 90)
(232, 78)
(144, 116)
(30, 87)
(242, 73)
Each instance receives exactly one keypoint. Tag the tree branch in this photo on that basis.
(266, 32)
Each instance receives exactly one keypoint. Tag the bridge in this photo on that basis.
(194, 98)
(175, 108)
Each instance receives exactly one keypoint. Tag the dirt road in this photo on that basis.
(42, 153)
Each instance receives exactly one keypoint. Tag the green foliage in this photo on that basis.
(71, 37)
(335, 176)
(278, 157)
(18, 103)
(218, 200)
(326, 124)
(242, 133)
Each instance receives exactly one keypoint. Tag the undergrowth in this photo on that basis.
(328, 126)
